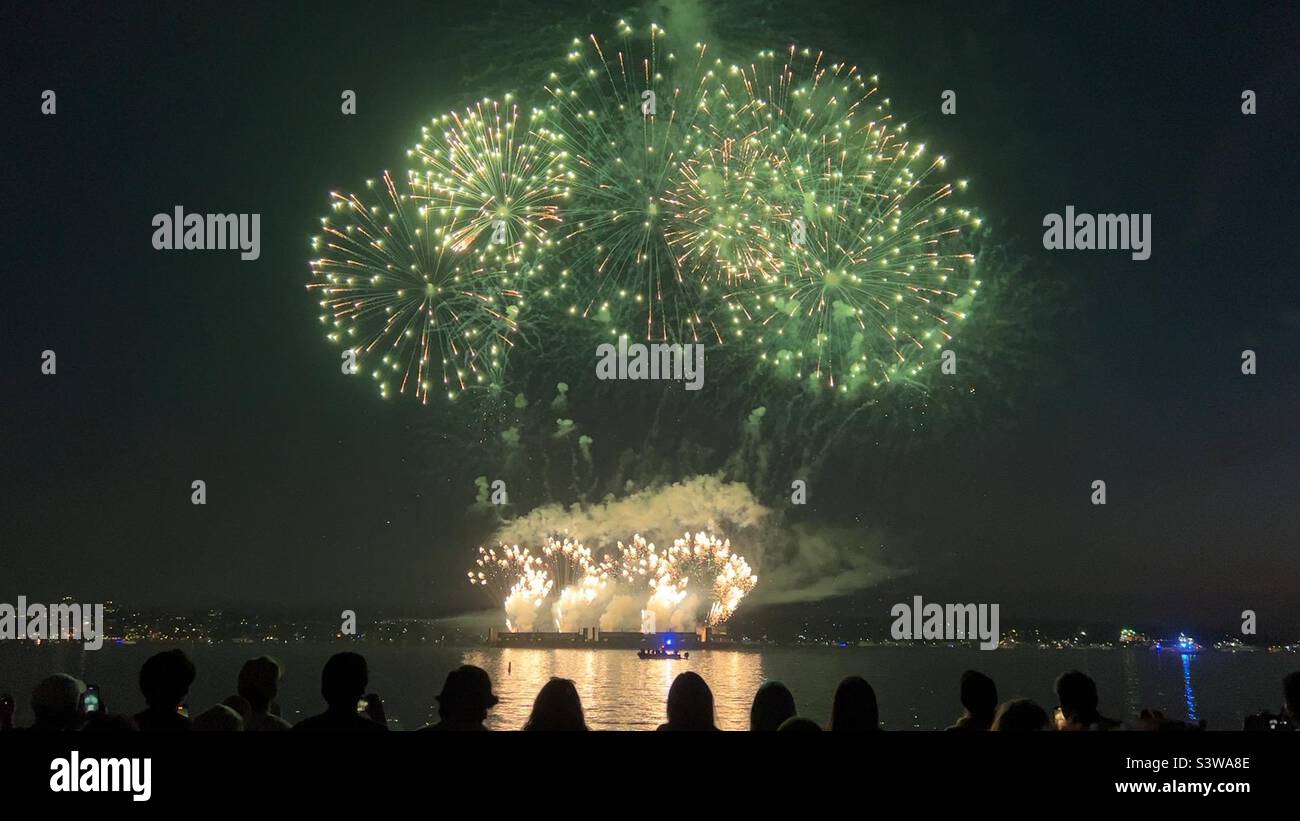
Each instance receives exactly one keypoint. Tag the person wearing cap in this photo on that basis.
(465, 700)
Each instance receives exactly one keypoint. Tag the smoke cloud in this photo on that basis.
(794, 562)
(699, 503)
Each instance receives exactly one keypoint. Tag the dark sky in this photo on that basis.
(177, 366)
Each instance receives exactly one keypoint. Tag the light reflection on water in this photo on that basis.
(619, 691)
(1188, 694)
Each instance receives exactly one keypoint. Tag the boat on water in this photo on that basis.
(1235, 646)
(1183, 645)
(662, 653)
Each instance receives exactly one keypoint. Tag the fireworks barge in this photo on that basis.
(593, 638)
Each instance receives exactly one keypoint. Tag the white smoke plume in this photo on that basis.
(623, 613)
(583, 604)
(662, 513)
(804, 563)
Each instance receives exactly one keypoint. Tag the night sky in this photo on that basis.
(177, 366)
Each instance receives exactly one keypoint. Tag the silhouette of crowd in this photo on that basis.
(60, 703)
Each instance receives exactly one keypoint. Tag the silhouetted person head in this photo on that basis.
(219, 718)
(772, 705)
(690, 704)
(343, 681)
(979, 695)
(855, 707)
(797, 724)
(1076, 694)
(259, 682)
(1291, 692)
(466, 697)
(56, 701)
(1020, 715)
(557, 708)
(165, 679)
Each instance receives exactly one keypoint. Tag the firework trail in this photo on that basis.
(707, 561)
(526, 599)
(498, 569)
(584, 582)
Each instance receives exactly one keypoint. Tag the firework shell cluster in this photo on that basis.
(654, 189)
(696, 580)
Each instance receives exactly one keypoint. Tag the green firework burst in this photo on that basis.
(873, 269)
(418, 316)
(632, 118)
